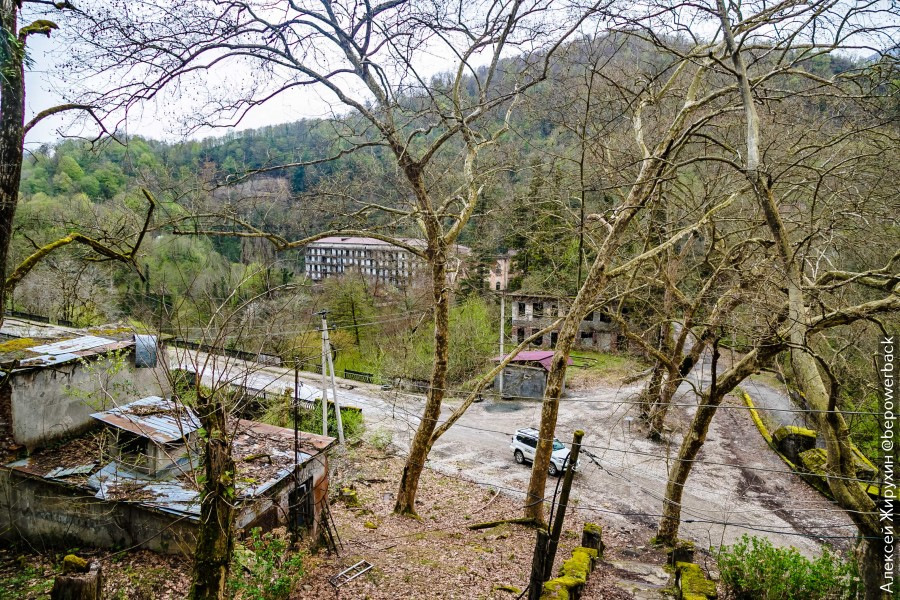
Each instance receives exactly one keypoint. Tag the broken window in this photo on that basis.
(538, 341)
(554, 336)
(538, 310)
(590, 316)
(520, 335)
(521, 310)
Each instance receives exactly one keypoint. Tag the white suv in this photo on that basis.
(524, 442)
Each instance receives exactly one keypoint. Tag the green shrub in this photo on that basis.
(278, 412)
(264, 567)
(753, 569)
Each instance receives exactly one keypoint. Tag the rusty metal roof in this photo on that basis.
(263, 454)
(159, 419)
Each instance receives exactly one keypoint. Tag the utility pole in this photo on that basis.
(502, 332)
(556, 532)
(324, 375)
(547, 543)
(327, 362)
(337, 404)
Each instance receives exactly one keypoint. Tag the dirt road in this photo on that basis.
(739, 486)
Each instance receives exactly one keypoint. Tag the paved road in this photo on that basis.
(739, 487)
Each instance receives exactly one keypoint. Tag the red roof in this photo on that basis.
(544, 357)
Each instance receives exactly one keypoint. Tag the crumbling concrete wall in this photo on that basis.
(44, 407)
(50, 514)
(273, 509)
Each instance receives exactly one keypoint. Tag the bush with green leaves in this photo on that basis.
(278, 412)
(264, 567)
(754, 569)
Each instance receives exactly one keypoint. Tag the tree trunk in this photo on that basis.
(847, 492)
(667, 532)
(215, 539)
(660, 408)
(651, 392)
(12, 115)
(421, 444)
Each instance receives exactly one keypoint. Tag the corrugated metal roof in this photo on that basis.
(63, 472)
(159, 419)
(48, 360)
(74, 345)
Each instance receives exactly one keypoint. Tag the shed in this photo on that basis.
(526, 375)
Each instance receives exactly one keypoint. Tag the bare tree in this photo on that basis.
(366, 59)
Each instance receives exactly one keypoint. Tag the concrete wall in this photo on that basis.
(44, 409)
(273, 509)
(48, 514)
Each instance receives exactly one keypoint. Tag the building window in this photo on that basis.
(537, 309)
(590, 316)
(497, 286)
(587, 335)
(554, 336)
(538, 341)
(520, 335)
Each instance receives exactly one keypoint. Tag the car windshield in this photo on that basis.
(558, 445)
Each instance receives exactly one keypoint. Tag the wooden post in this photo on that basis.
(563, 503)
(536, 583)
(592, 537)
(78, 586)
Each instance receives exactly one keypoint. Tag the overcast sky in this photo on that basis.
(157, 120)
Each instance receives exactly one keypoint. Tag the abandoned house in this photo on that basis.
(531, 313)
(50, 386)
(526, 375)
(132, 481)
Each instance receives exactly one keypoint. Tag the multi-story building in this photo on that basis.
(531, 313)
(376, 259)
(501, 272)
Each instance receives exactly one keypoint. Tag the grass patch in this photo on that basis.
(591, 366)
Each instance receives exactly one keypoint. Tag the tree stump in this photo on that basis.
(78, 585)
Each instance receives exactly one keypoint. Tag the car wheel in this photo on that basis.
(520, 458)
(554, 472)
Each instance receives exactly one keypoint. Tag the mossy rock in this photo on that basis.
(814, 460)
(349, 497)
(507, 588)
(682, 551)
(580, 565)
(74, 564)
(692, 584)
(786, 431)
(559, 588)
